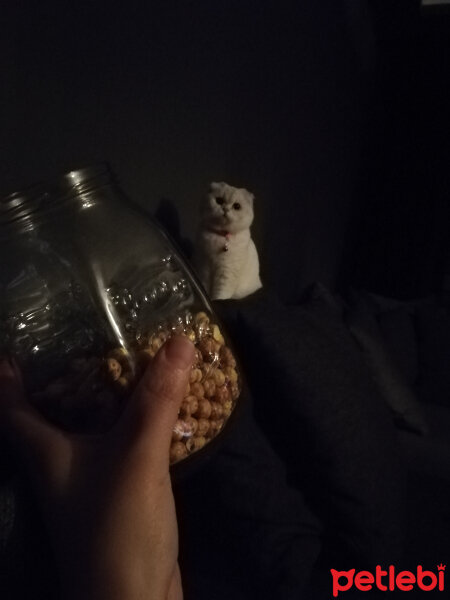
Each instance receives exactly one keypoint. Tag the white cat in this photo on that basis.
(225, 254)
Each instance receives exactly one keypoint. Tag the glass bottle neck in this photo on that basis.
(83, 189)
(20, 212)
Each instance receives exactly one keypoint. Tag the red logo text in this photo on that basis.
(385, 580)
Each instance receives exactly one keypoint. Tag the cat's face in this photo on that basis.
(227, 208)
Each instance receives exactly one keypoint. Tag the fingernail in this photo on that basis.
(180, 352)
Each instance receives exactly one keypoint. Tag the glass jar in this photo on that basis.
(46, 317)
(42, 320)
(120, 289)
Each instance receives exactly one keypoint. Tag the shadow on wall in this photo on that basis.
(175, 95)
(399, 240)
(168, 216)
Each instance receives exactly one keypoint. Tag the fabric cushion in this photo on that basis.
(431, 455)
(433, 325)
(317, 405)
(318, 297)
(398, 332)
(392, 386)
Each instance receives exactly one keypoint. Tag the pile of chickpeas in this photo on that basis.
(93, 392)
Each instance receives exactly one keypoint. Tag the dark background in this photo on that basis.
(334, 112)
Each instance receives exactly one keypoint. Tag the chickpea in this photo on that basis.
(203, 426)
(234, 390)
(226, 357)
(181, 430)
(209, 348)
(192, 424)
(217, 335)
(216, 410)
(201, 317)
(219, 377)
(222, 394)
(190, 334)
(155, 343)
(198, 360)
(204, 409)
(121, 355)
(185, 409)
(178, 451)
(195, 443)
(197, 390)
(227, 408)
(144, 357)
(123, 384)
(210, 388)
(163, 335)
(195, 375)
(230, 374)
(206, 370)
(193, 403)
(214, 427)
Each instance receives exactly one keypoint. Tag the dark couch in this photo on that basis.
(330, 463)
(341, 461)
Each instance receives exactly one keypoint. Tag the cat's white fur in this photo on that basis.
(231, 273)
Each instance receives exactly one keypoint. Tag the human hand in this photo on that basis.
(107, 500)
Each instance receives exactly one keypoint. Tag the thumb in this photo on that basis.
(154, 407)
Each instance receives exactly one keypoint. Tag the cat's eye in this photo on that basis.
(219, 201)
(237, 206)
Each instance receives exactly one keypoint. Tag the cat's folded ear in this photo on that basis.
(249, 196)
(215, 186)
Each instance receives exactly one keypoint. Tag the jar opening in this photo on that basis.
(79, 185)
(19, 210)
